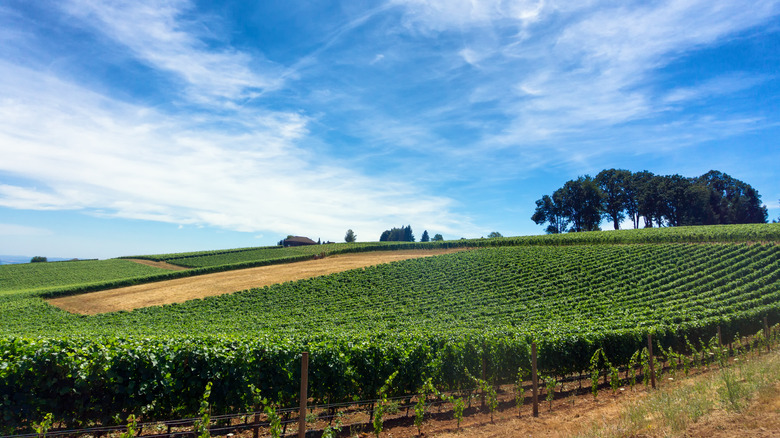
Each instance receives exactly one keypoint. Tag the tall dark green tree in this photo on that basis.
(583, 204)
(425, 237)
(402, 234)
(697, 209)
(647, 186)
(733, 201)
(350, 237)
(613, 183)
(672, 200)
(578, 203)
(549, 210)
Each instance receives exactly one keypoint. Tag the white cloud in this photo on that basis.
(444, 14)
(600, 70)
(471, 56)
(722, 85)
(89, 152)
(157, 33)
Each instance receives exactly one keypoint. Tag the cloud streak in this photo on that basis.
(568, 69)
(114, 159)
(159, 34)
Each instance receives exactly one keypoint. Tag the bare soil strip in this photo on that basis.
(161, 265)
(201, 286)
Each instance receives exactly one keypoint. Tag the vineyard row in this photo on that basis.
(527, 389)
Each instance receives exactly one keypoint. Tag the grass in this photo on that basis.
(671, 410)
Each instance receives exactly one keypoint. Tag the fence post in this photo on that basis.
(650, 357)
(484, 375)
(766, 332)
(534, 381)
(720, 339)
(304, 394)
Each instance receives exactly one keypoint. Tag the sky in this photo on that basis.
(141, 127)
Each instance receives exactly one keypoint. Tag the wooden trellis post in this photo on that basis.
(650, 358)
(304, 394)
(534, 381)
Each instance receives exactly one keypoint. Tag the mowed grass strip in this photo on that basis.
(184, 289)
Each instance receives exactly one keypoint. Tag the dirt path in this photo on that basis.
(201, 286)
(161, 265)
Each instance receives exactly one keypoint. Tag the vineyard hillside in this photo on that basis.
(437, 317)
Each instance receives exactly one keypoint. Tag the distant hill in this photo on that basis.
(14, 260)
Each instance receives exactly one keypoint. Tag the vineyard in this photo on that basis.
(38, 277)
(439, 317)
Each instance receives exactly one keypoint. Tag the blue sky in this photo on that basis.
(136, 127)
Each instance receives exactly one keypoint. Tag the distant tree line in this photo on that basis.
(405, 234)
(649, 200)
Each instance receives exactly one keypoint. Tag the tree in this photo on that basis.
(38, 259)
(438, 238)
(647, 197)
(403, 234)
(425, 237)
(408, 236)
(613, 183)
(671, 199)
(579, 203)
(494, 234)
(550, 210)
(582, 203)
(733, 201)
(350, 236)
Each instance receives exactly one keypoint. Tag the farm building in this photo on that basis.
(297, 241)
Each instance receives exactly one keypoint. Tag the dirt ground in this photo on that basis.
(201, 286)
(760, 419)
(162, 265)
(575, 414)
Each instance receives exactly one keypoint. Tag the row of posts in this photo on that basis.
(534, 377)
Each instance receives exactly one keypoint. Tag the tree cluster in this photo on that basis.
(649, 200)
(403, 234)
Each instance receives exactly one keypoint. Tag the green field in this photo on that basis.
(432, 317)
(38, 277)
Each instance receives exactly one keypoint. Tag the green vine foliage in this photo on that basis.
(132, 428)
(632, 366)
(421, 406)
(274, 420)
(595, 369)
(458, 406)
(550, 384)
(383, 405)
(520, 389)
(202, 425)
(43, 427)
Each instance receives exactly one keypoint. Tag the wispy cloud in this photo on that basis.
(719, 86)
(160, 34)
(569, 69)
(444, 14)
(89, 152)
